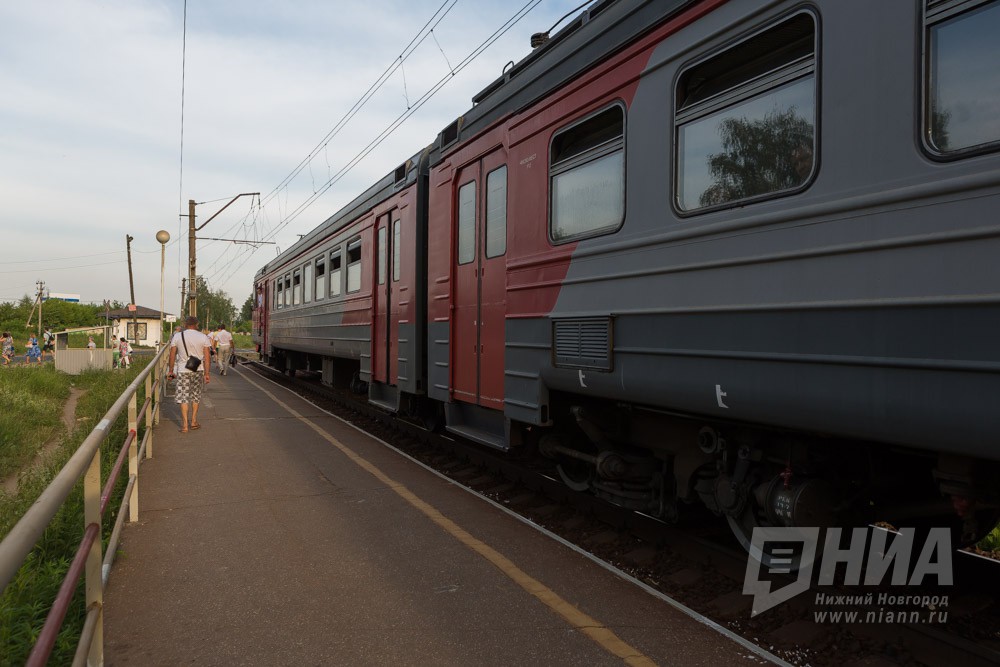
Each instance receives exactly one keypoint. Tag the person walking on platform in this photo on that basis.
(223, 347)
(190, 359)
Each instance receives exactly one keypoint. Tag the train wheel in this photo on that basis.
(577, 475)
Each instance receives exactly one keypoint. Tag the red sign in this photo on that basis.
(131, 308)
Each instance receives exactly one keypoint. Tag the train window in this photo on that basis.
(962, 112)
(467, 223)
(320, 278)
(354, 266)
(307, 282)
(335, 272)
(496, 212)
(381, 255)
(296, 288)
(288, 289)
(396, 233)
(587, 174)
(276, 293)
(746, 118)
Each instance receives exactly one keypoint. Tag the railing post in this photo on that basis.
(149, 416)
(157, 376)
(94, 581)
(133, 459)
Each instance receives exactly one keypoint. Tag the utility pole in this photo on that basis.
(41, 293)
(107, 320)
(40, 288)
(192, 260)
(131, 289)
(192, 249)
(184, 282)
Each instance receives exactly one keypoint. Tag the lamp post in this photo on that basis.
(163, 236)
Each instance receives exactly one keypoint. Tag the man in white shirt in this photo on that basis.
(223, 347)
(190, 343)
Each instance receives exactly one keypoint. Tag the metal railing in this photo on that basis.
(88, 561)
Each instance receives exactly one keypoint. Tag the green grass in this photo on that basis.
(26, 601)
(991, 542)
(242, 342)
(31, 402)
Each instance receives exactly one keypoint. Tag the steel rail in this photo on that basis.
(116, 470)
(53, 622)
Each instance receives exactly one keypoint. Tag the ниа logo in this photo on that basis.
(783, 551)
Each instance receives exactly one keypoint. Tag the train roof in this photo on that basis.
(400, 178)
(594, 35)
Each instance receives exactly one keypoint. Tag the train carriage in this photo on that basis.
(730, 252)
(349, 298)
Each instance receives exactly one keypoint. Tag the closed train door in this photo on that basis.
(478, 317)
(385, 344)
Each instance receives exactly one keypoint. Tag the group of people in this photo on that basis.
(191, 354)
(32, 351)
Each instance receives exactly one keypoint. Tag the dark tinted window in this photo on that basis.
(496, 212)
(335, 273)
(964, 76)
(320, 278)
(396, 239)
(354, 266)
(587, 172)
(381, 256)
(746, 118)
(467, 223)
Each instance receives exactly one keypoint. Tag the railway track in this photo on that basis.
(696, 562)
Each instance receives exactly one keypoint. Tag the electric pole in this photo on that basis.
(131, 289)
(192, 249)
(107, 320)
(184, 282)
(192, 261)
(40, 287)
(41, 293)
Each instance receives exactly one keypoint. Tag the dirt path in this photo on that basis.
(10, 483)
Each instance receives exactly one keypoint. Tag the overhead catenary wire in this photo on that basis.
(248, 252)
(417, 40)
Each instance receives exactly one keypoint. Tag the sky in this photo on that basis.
(90, 145)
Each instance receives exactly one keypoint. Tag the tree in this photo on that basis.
(214, 307)
(760, 156)
(246, 312)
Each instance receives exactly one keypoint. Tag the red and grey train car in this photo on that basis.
(349, 298)
(738, 253)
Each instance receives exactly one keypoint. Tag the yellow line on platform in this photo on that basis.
(589, 626)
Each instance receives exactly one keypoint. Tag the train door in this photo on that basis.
(480, 282)
(381, 338)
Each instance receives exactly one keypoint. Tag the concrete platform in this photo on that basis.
(279, 535)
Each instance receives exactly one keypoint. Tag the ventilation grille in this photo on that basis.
(582, 343)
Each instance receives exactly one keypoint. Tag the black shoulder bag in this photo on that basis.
(192, 363)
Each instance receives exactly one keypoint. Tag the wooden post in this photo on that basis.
(133, 460)
(149, 412)
(93, 581)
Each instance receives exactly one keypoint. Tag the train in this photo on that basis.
(732, 254)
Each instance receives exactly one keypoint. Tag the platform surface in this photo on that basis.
(279, 535)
